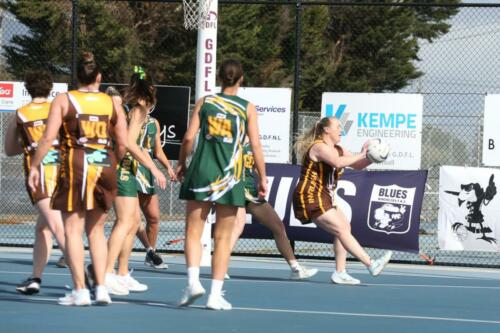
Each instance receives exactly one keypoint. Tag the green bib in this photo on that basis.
(215, 173)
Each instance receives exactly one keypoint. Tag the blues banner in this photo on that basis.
(383, 207)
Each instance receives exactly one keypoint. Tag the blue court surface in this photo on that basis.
(403, 299)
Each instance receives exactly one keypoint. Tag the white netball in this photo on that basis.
(378, 151)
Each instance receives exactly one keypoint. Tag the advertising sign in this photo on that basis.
(491, 134)
(394, 118)
(13, 95)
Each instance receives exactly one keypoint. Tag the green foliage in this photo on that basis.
(47, 45)
(343, 48)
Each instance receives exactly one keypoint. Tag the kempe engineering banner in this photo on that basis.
(394, 118)
(469, 209)
(383, 207)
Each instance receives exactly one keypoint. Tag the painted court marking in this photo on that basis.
(305, 312)
(238, 280)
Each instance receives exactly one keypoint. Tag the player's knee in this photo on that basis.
(153, 220)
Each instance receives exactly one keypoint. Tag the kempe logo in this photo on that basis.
(6, 90)
(341, 115)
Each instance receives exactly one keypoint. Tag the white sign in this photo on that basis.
(395, 118)
(491, 134)
(469, 207)
(273, 109)
(13, 94)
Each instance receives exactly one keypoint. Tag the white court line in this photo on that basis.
(262, 278)
(369, 315)
(427, 286)
(309, 312)
(288, 281)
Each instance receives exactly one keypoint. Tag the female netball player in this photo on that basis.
(215, 177)
(27, 129)
(323, 161)
(140, 96)
(86, 185)
(267, 216)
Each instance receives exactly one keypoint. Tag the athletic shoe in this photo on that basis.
(132, 284)
(191, 294)
(154, 260)
(61, 263)
(227, 277)
(115, 285)
(302, 273)
(89, 277)
(29, 286)
(217, 302)
(102, 295)
(378, 264)
(344, 278)
(76, 298)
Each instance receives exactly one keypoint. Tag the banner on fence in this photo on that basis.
(395, 118)
(469, 209)
(491, 134)
(171, 111)
(383, 207)
(273, 109)
(13, 94)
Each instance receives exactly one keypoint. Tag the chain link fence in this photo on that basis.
(447, 53)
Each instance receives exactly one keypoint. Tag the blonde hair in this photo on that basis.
(306, 139)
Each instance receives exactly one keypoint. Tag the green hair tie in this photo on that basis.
(139, 70)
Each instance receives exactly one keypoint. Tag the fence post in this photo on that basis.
(74, 42)
(296, 83)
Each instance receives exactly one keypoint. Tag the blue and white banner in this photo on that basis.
(395, 118)
(383, 207)
(469, 209)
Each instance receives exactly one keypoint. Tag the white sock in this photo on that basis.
(216, 287)
(193, 275)
(150, 249)
(294, 265)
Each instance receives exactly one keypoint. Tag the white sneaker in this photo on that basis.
(343, 278)
(68, 299)
(132, 284)
(76, 297)
(115, 285)
(191, 294)
(102, 295)
(303, 273)
(378, 264)
(217, 302)
(227, 277)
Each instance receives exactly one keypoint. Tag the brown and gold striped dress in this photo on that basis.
(87, 178)
(313, 195)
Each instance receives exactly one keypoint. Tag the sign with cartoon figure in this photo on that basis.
(468, 209)
(390, 209)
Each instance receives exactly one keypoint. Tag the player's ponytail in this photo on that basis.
(306, 139)
(230, 72)
(87, 69)
(140, 88)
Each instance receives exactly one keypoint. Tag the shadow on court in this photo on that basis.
(403, 299)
